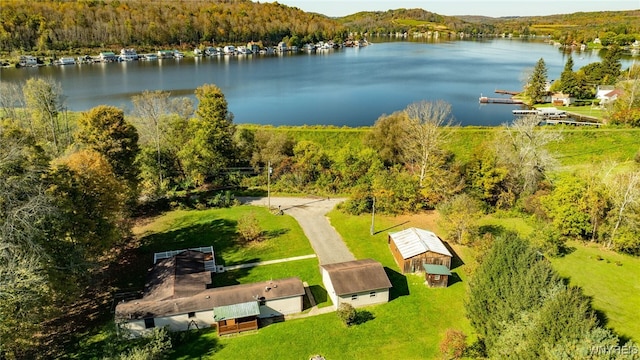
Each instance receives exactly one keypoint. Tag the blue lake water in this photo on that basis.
(344, 87)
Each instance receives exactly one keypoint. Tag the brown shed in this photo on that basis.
(436, 275)
(413, 247)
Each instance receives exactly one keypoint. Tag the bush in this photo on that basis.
(249, 228)
(453, 345)
(347, 314)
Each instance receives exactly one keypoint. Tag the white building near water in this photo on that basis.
(359, 283)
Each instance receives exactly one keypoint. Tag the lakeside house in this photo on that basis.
(560, 99)
(607, 94)
(359, 283)
(179, 295)
(413, 247)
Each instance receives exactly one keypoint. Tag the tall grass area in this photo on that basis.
(611, 279)
(579, 147)
(330, 138)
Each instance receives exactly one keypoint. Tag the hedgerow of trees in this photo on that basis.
(520, 308)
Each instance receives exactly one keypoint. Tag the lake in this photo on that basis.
(344, 87)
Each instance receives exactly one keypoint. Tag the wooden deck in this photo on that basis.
(238, 327)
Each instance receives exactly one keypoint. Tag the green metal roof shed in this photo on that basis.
(436, 269)
(236, 311)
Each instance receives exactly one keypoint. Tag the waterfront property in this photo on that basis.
(178, 294)
(357, 282)
(413, 247)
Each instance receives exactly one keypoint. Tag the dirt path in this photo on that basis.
(310, 214)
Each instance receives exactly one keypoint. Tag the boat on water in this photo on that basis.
(211, 51)
(65, 61)
(243, 50)
(128, 55)
(178, 54)
(148, 57)
(28, 60)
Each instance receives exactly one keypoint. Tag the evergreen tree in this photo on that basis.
(611, 66)
(568, 79)
(210, 148)
(537, 84)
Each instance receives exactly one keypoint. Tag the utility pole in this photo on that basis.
(373, 215)
(269, 185)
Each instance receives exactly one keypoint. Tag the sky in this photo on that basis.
(493, 8)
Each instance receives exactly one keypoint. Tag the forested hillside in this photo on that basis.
(64, 25)
(611, 27)
(47, 25)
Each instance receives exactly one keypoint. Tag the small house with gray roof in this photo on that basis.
(413, 247)
(358, 282)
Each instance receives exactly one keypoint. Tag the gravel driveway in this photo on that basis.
(310, 214)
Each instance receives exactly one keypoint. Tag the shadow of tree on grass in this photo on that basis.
(362, 316)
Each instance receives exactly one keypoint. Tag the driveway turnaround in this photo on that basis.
(310, 214)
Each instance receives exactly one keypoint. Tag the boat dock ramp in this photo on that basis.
(507, 92)
(568, 122)
(488, 100)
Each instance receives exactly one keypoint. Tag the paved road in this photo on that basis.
(310, 214)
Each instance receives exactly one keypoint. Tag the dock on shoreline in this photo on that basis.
(488, 100)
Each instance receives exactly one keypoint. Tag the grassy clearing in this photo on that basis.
(182, 229)
(611, 279)
(581, 148)
(516, 224)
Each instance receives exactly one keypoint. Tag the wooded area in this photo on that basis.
(68, 26)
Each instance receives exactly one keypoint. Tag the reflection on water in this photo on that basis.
(351, 86)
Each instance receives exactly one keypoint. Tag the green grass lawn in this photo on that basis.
(415, 318)
(613, 283)
(191, 228)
